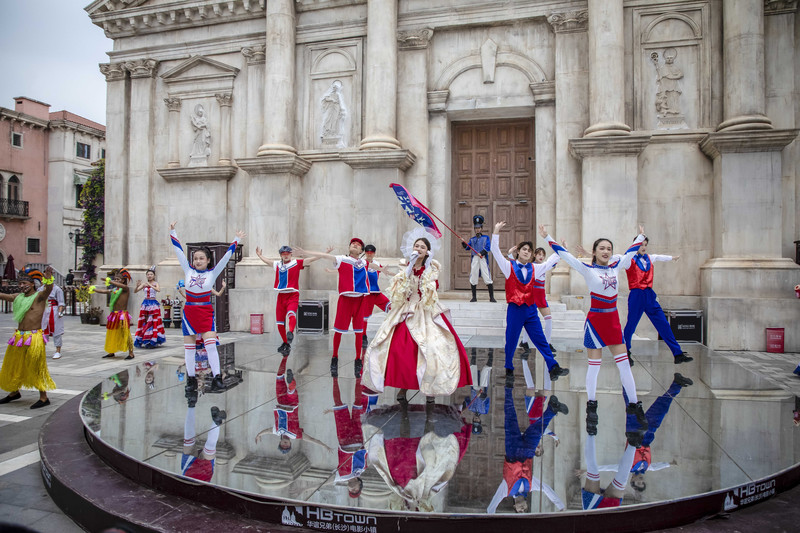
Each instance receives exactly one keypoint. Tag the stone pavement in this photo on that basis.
(24, 500)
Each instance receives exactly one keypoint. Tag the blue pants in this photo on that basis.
(527, 316)
(644, 301)
(655, 415)
(519, 445)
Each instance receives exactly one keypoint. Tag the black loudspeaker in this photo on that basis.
(686, 324)
(312, 316)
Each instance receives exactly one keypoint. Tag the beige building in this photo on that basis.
(289, 119)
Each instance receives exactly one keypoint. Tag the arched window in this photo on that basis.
(13, 188)
(2, 187)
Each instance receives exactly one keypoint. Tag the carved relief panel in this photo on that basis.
(333, 95)
(672, 76)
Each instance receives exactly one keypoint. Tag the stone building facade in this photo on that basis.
(289, 119)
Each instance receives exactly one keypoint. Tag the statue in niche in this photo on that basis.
(668, 91)
(201, 145)
(333, 115)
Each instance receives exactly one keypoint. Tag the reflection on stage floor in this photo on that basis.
(711, 425)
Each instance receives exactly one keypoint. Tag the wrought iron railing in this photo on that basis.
(18, 208)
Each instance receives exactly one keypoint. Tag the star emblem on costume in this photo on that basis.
(197, 281)
(609, 281)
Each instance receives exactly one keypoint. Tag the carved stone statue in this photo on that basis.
(668, 90)
(201, 145)
(334, 113)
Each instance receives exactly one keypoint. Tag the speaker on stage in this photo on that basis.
(312, 316)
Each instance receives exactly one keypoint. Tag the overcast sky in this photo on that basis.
(51, 51)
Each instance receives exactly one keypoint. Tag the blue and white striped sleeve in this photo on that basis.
(176, 244)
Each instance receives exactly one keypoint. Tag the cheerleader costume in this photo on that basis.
(150, 328)
(287, 284)
(375, 298)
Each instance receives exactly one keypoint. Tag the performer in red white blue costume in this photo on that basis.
(198, 313)
(602, 327)
(643, 299)
(287, 284)
(521, 311)
(375, 298)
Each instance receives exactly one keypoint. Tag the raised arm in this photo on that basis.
(176, 245)
(139, 286)
(655, 257)
(499, 494)
(309, 438)
(309, 260)
(625, 262)
(319, 255)
(502, 262)
(222, 263)
(9, 297)
(263, 259)
(562, 252)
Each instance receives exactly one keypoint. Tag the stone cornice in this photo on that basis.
(611, 145)
(414, 39)
(82, 128)
(217, 173)
(275, 164)
(401, 159)
(126, 18)
(437, 101)
(23, 118)
(779, 7)
(739, 263)
(569, 22)
(544, 93)
(314, 5)
(718, 143)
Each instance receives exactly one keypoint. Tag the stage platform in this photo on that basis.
(721, 443)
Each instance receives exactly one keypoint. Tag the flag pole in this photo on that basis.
(448, 227)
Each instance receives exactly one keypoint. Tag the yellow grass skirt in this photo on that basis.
(26, 365)
(118, 332)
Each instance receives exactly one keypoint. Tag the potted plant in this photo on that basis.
(82, 296)
(94, 314)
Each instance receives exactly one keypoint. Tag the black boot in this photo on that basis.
(630, 359)
(191, 384)
(556, 372)
(218, 416)
(364, 342)
(357, 368)
(638, 410)
(556, 406)
(217, 384)
(591, 417)
(474, 293)
(683, 357)
(682, 381)
(335, 367)
(491, 292)
(509, 378)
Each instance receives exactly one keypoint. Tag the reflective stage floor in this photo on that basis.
(713, 426)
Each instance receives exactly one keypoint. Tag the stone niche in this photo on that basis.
(333, 95)
(671, 61)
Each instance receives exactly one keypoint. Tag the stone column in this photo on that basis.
(544, 95)
(439, 196)
(380, 87)
(116, 213)
(743, 57)
(255, 98)
(571, 119)
(606, 69)
(224, 100)
(744, 287)
(279, 91)
(174, 106)
(140, 159)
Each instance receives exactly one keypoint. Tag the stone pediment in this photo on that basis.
(107, 6)
(198, 68)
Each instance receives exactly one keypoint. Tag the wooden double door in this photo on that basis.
(493, 174)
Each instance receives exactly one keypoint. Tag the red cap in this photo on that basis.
(359, 241)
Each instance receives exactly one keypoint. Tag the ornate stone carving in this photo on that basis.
(569, 22)
(334, 114)
(142, 68)
(173, 104)
(112, 71)
(414, 39)
(779, 7)
(224, 99)
(255, 54)
(488, 60)
(668, 91)
(201, 144)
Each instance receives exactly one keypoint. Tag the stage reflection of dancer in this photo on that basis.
(592, 496)
(352, 454)
(118, 323)
(353, 286)
(150, 328)
(375, 298)
(416, 346)
(287, 412)
(602, 327)
(479, 401)
(642, 299)
(53, 319)
(478, 247)
(198, 313)
(642, 462)
(521, 311)
(416, 450)
(287, 284)
(518, 479)
(25, 361)
(149, 368)
(199, 464)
